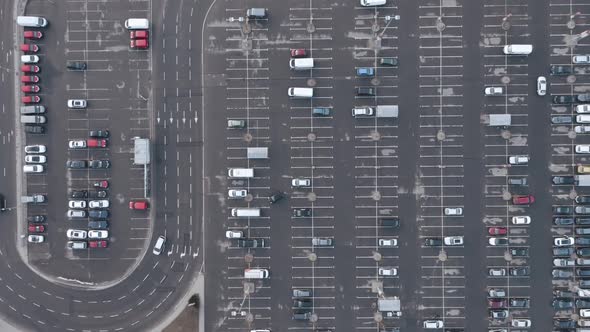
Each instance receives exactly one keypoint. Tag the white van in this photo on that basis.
(240, 173)
(301, 64)
(159, 246)
(518, 49)
(300, 92)
(31, 21)
(32, 119)
(36, 109)
(245, 212)
(583, 118)
(137, 24)
(256, 274)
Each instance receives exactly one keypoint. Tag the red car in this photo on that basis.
(139, 34)
(138, 205)
(36, 228)
(139, 43)
(98, 244)
(101, 184)
(30, 88)
(29, 68)
(29, 79)
(33, 34)
(497, 303)
(29, 48)
(298, 53)
(523, 200)
(96, 143)
(497, 231)
(30, 99)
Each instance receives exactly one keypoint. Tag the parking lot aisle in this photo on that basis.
(440, 164)
(311, 158)
(507, 241)
(375, 164)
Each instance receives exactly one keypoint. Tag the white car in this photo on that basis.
(76, 214)
(35, 159)
(584, 313)
(234, 234)
(77, 144)
(583, 118)
(541, 85)
(29, 58)
(518, 160)
(96, 234)
(433, 324)
(582, 129)
(387, 271)
(453, 240)
(563, 262)
(232, 193)
(521, 323)
(497, 272)
(100, 204)
(77, 234)
(77, 204)
(521, 220)
(456, 211)
(387, 242)
(498, 241)
(583, 148)
(35, 148)
(300, 182)
(584, 108)
(581, 59)
(368, 3)
(77, 103)
(493, 91)
(35, 238)
(33, 168)
(565, 241)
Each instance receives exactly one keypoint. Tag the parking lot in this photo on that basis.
(466, 167)
(115, 85)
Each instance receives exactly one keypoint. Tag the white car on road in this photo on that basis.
(541, 85)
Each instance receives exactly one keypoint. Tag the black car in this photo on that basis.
(79, 194)
(584, 252)
(519, 252)
(77, 164)
(433, 241)
(563, 180)
(98, 133)
(251, 243)
(34, 129)
(76, 65)
(517, 181)
(365, 91)
(302, 212)
(37, 218)
(389, 62)
(520, 271)
(582, 221)
(563, 293)
(563, 221)
(563, 210)
(564, 323)
(560, 70)
(584, 283)
(302, 304)
(98, 214)
(100, 164)
(583, 272)
(519, 303)
(561, 119)
(390, 222)
(97, 194)
(301, 315)
(275, 197)
(561, 304)
(98, 224)
(582, 199)
(583, 304)
(302, 293)
(564, 99)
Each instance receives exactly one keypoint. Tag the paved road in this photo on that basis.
(146, 296)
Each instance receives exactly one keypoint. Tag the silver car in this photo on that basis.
(322, 242)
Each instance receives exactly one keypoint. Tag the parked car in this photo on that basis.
(29, 79)
(98, 224)
(98, 133)
(139, 204)
(234, 234)
(563, 180)
(497, 292)
(99, 164)
(582, 199)
(298, 53)
(384, 243)
(392, 62)
(564, 241)
(519, 252)
(34, 129)
(582, 148)
(301, 212)
(581, 59)
(37, 218)
(101, 184)
(561, 210)
(30, 68)
(77, 144)
(79, 194)
(30, 99)
(365, 91)
(76, 234)
(98, 214)
(561, 119)
(76, 214)
(302, 293)
(560, 70)
(453, 240)
(519, 271)
(433, 242)
(523, 199)
(564, 262)
(32, 48)
(251, 243)
(35, 159)
(35, 239)
(76, 164)
(561, 274)
(138, 34)
(76, 65)
(98, 234)
(320, 111)
(497, 272)
(77, 103)
(365, 72)
(563, 221)
(563, 252)
(582, 209)
(521, 220)
(518, 160)
(498, 241)
(453, 211)
(497, 230)
(564, 99)
(139, 43)
(30, 88)
(322, 242)
(99, 204)
(493, 91)
(301, 183)
(35, 149)
(98, 244)
(564, 323)
(33, 34)
(521, 323)
(77, 204)
(36, 228)
(97, 194)
(499, 314)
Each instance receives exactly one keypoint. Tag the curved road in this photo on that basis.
(151, 292)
